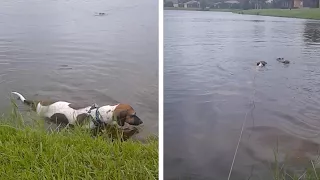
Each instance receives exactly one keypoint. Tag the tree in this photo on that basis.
(246, 4)
(203, 4)
(260, 3)
(168, 4)
(282, 3)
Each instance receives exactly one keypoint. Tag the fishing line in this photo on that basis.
(253, 103)
(243, 124)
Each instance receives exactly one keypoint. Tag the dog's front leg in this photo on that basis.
(91, 125)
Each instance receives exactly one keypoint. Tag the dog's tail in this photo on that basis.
(23, 99)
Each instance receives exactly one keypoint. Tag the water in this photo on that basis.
(210, 80)
(59, 49)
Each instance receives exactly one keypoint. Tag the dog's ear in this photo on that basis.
(121, 117)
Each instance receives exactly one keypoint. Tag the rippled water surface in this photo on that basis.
(60, 49)
(211, 83)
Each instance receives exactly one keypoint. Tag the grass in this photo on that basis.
(29, 151)
(304, 13)
(198, 9)
(281, 172)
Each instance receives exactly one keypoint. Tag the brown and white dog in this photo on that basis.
(67, 113)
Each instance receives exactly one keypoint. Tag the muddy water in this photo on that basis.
(210, 80)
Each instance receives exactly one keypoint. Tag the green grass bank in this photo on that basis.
(304, 13)
(33, 152)
(284, 170)
(198, 9)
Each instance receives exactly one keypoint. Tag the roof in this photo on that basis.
(191, 2)
(232, 2)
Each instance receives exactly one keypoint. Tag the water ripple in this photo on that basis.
(60, 50)
(210, 78)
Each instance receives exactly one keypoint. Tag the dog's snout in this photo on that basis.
(137, 121)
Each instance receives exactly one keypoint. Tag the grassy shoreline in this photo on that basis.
(293, 13)
(32, 152)
(198, 9)
(304, 13)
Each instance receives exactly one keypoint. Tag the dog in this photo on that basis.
(283, 61)
(261, 63)
(63, 112)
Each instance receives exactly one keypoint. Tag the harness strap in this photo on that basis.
(96, 121)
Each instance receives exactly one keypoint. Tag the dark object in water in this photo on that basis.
(261, 63)
(64, 68)
(279, 59)
(286, 62)
(100, 14)
(283, 61)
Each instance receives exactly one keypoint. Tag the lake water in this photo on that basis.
(60, 50)
(211, 83)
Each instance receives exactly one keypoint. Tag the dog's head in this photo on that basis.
(125, 113)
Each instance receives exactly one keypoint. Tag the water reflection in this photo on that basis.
(312, 32)
(60, 50)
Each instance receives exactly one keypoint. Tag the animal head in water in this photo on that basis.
(285, 62)
(261, 63)
(125, 113)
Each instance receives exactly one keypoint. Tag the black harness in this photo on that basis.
(96, 121)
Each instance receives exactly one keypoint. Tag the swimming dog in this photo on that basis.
(261, 63)
(283, 61)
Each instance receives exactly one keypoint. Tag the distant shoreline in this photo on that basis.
(198, 9)
(304, 13)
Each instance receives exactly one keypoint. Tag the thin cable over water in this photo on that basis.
(242, 128)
